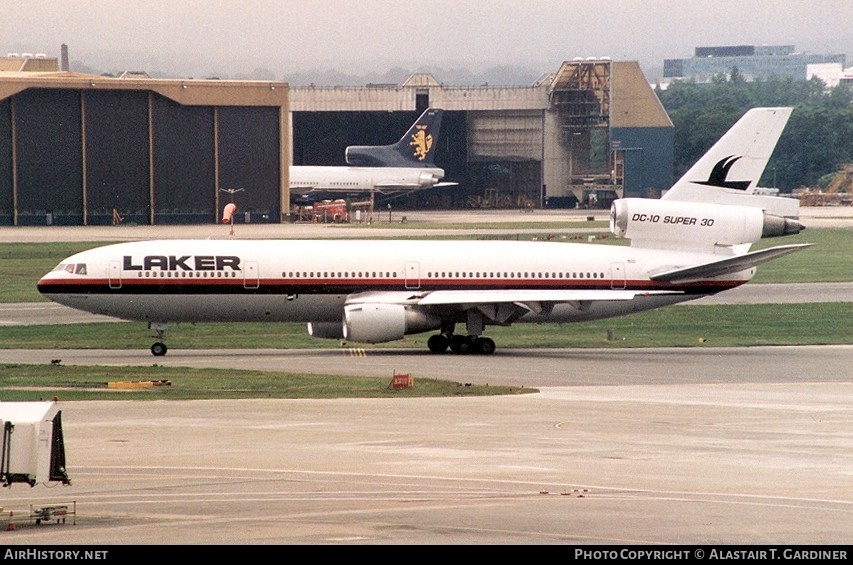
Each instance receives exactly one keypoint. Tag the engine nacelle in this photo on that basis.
(677, 221)
(427, 179)
(326, 330)
(380, 323)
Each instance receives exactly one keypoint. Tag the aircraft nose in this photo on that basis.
(43, 285)
(40, 285)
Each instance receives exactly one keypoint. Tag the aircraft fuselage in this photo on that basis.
(310, 281)
(363, 179)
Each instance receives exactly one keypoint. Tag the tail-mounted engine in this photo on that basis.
(685, 223)
(428, 179)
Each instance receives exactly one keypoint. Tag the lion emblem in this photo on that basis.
(422, 142)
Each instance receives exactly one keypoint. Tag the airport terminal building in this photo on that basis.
(80, 149)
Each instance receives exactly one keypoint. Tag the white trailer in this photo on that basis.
(32, 448)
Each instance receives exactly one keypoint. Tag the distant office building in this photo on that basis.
(752, 61)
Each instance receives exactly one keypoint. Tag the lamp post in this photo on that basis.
(389, 212)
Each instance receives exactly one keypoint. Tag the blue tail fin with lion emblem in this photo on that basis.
(415, 149)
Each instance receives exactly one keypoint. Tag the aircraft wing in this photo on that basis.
(726, 266)
(501, 306)
(474, 297)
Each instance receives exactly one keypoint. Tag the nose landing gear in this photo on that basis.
(159, 348)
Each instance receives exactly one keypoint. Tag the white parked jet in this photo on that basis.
(404, 166)
(691, 243)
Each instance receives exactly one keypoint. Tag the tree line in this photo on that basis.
(816, 142)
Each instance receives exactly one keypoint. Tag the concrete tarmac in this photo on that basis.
(685, 446)
(716, 463)
(680, 446)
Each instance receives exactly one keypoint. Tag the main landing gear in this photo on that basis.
(159, 348)
(461, 344)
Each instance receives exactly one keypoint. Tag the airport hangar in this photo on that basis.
(81, 149)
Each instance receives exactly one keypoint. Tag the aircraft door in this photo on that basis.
(250, 275)
(115, 274)
(413, 275)
(617, 275)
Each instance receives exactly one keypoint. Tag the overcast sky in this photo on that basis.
(202, 37)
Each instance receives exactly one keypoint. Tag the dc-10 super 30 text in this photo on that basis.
(687, 221)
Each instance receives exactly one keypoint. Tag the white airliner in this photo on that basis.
(691, 243)
(401, 167)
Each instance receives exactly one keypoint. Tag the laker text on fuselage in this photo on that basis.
(182, 263)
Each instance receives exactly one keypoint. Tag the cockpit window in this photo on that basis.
(74, 268)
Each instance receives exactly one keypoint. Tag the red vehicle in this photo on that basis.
(327, 211)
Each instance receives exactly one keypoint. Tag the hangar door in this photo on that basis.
(505, 159)
(505, 136)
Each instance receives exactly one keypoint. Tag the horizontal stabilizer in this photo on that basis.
(726, 266)
(397, 184)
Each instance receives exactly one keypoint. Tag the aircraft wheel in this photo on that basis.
(159, 349)
(460, 344)
(437, 343)
(485, 345)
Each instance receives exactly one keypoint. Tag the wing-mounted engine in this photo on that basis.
(326, 330)
(673, 224)
(380, 323)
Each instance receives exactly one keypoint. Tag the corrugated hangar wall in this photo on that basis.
(115, 151)
(79, 147)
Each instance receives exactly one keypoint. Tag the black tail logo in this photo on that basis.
(720, 172)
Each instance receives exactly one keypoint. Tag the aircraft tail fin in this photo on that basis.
(729, 172)
(713, 208)
(415, 149)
